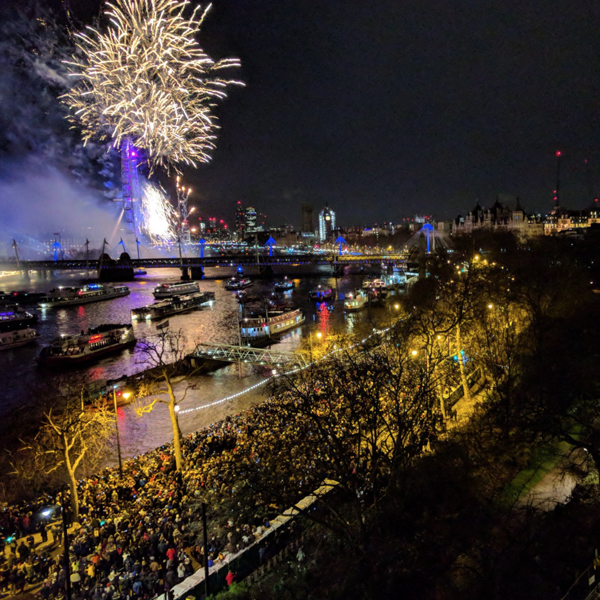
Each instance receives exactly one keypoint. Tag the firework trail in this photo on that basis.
(148, 79)
(158, 217)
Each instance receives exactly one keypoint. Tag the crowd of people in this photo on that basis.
(137, 535)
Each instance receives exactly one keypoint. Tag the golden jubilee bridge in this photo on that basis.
(123, 268)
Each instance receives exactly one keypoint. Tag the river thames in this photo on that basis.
(22, 379)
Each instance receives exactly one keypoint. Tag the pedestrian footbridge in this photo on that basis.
(247, 354)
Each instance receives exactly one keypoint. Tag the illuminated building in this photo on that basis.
(326, 223)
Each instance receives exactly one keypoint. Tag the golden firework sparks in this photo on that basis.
(147, 79)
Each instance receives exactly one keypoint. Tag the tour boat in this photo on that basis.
(263, 326)
(284, 285)
(357, 301)
(321, 293)
(175, 288)
(172, 306)
(13, 339)
(83, 347)
(140, 271)
(93, 292)
(13, 317)
(237, 283)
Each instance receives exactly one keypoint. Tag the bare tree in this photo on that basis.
(358, 419)
(163, 354)
(75, 431)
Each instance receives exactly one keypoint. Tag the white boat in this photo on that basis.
(374, 283)
(13, 339)
(356, 301)
(94, 292)
(269, 324)
(175, 288)
(238, 283)
(284, 285)
(172, 306)
(97, 342)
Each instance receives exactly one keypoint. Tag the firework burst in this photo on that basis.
(148, 79)
(158, 217)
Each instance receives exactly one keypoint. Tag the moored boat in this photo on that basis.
(20, 337)
(237, 283)
(93, 292)
(270, 323)
(356, 301)
(175, 288)
(172, 306)
(13, 317)
(322, 293)
(374, 283)
(97, 342)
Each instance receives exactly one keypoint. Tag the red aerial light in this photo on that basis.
(558, 153)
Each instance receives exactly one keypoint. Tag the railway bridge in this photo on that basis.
(124, 268)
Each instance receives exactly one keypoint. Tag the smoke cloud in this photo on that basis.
(39, 200)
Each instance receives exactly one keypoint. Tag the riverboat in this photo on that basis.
(356, 301)
(321, 294)
(175, 288)
(258, 327)
(13, 317)
(93, 292)
(172, 306)
(374, 283)
(96, 343)
(284, 285)
(20, 337)
(139, 271)
(237, 283)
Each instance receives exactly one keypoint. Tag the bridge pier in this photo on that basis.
(197, 272)
(185, 274)
(338, 270)
(25, 275)
(265, 271)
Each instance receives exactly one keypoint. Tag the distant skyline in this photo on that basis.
(389, 109)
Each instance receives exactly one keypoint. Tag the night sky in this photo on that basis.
(384, 109)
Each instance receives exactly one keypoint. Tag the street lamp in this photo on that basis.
(125, 395)
(319, 335)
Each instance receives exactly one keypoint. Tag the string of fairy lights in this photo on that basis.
(290, 372)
